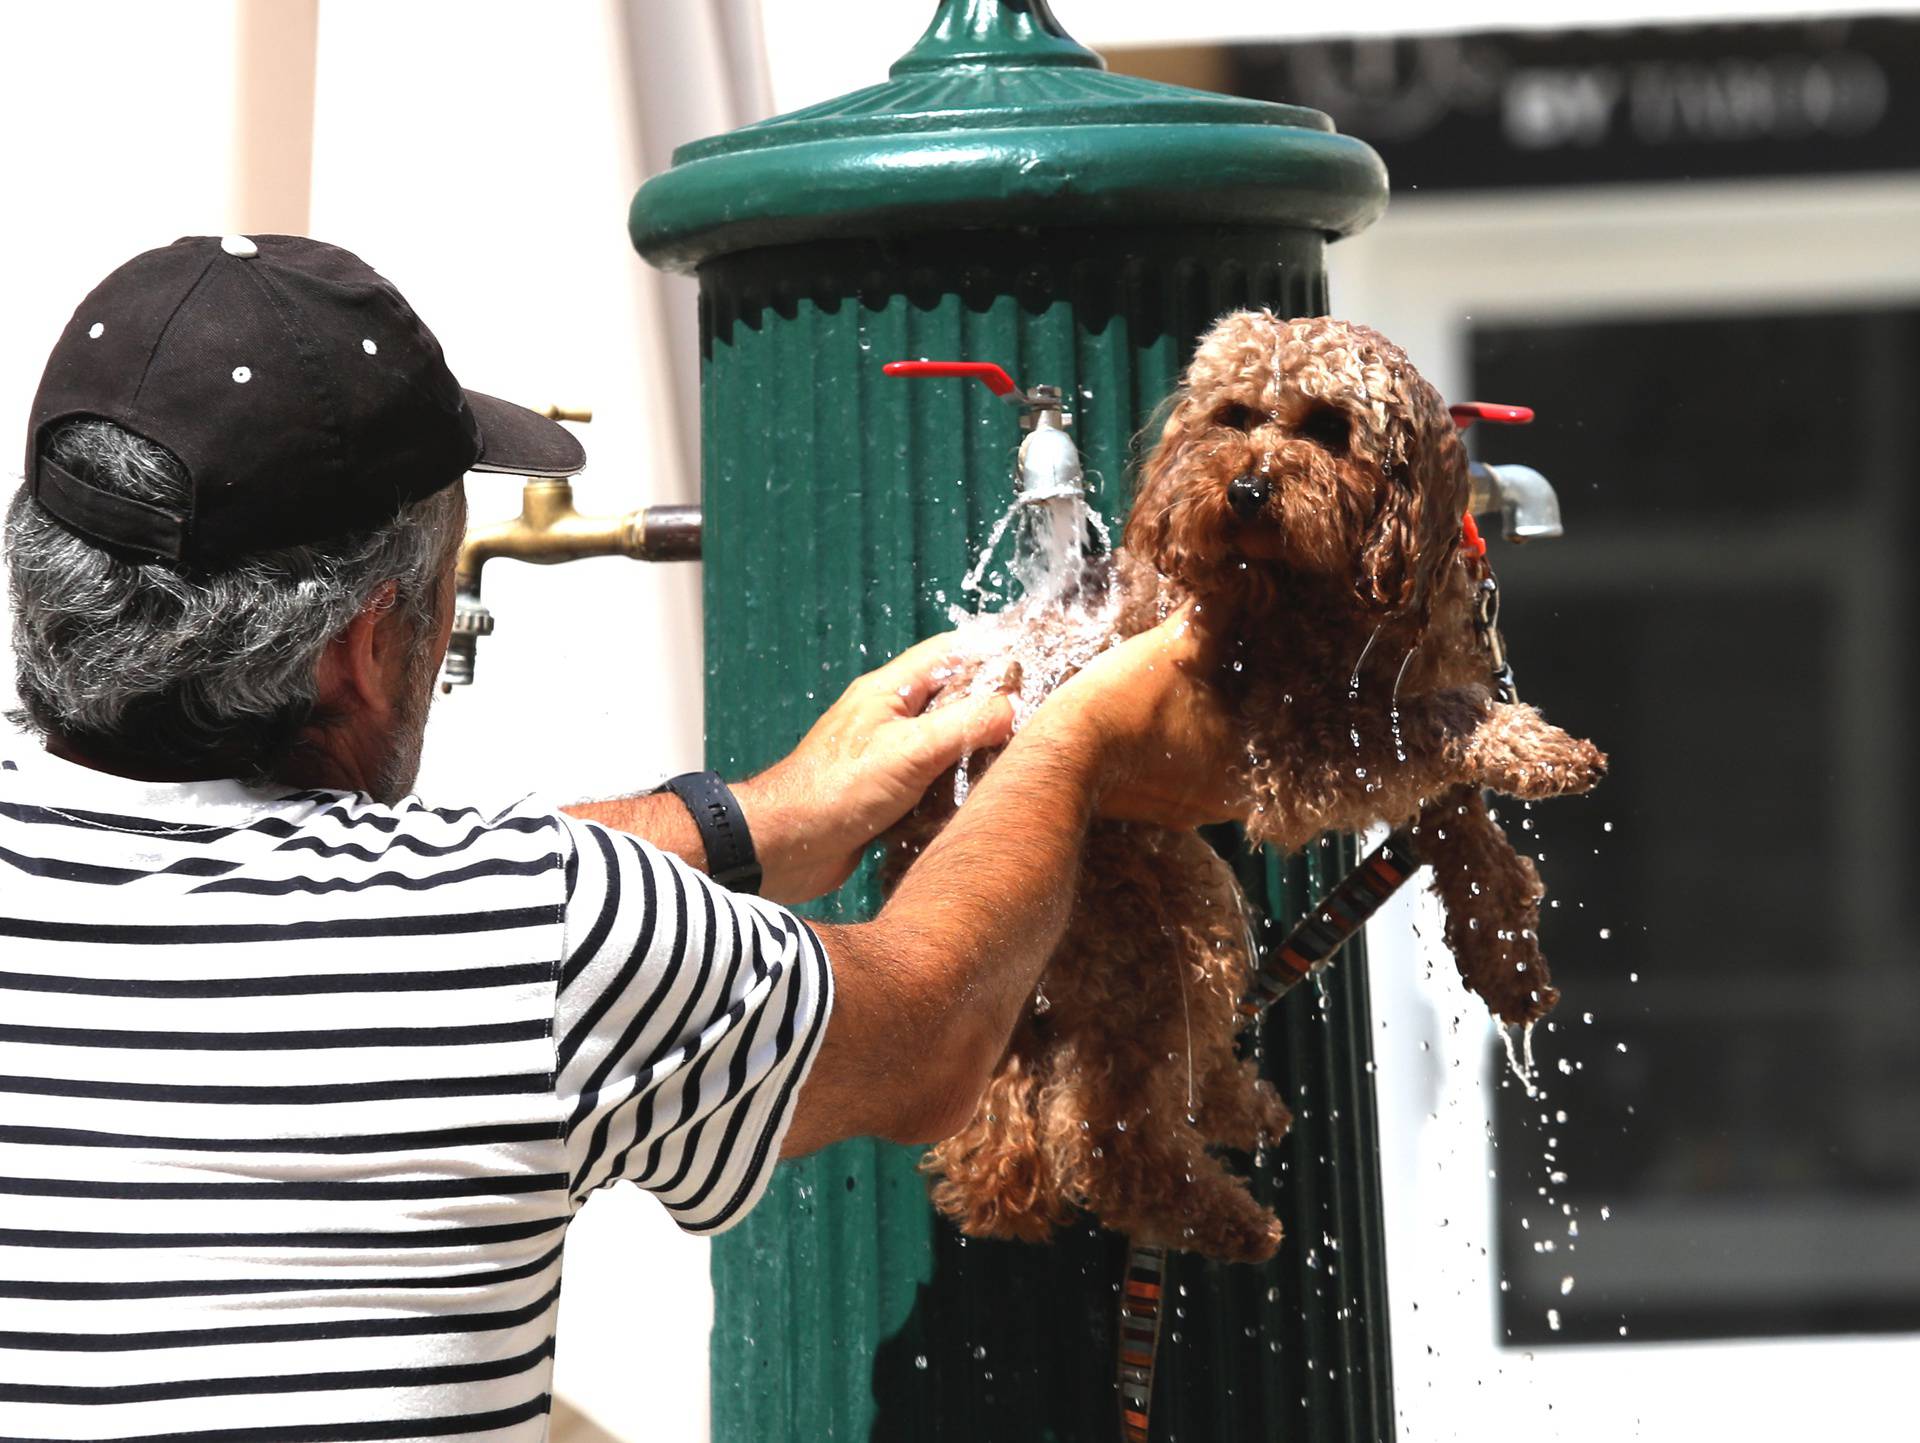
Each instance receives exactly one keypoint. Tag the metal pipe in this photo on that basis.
(1528, 505)
(547, 532)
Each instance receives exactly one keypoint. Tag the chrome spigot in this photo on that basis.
(1049, 466)
(1528, 505)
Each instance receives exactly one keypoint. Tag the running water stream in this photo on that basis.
(1055, 614)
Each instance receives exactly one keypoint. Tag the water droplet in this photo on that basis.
(242, 374)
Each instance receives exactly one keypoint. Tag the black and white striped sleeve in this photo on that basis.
(686, 1019)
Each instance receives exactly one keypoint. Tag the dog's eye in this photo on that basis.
(1237, 417)
(1326, 428)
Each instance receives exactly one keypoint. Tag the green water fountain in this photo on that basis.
(1000, 197)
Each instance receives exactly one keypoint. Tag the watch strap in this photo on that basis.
(731, 860)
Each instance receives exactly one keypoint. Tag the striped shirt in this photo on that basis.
(298, 1094)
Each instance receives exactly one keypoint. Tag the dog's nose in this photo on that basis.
(1248, 494)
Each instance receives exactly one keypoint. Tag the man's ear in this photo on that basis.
(356, 669)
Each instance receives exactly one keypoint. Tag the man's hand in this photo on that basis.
(861, 768)
(1169, 752)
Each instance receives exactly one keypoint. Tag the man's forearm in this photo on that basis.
(658, 817)
(991, 895)
(662, 819)
(928, 992)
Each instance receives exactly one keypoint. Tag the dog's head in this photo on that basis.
(1309, 446)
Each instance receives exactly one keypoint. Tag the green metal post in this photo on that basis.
(1001, 197)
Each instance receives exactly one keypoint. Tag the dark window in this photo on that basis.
(1733, 615)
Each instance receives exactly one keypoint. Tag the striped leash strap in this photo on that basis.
(1313, 941)
(1332, 922)
(1139, 1336)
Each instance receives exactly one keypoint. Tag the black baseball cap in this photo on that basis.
(295, 384)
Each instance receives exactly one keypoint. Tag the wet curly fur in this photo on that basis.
(1335, 576)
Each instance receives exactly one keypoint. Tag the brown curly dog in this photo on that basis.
(1307, 492)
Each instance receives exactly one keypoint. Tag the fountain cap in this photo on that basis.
(996, 119)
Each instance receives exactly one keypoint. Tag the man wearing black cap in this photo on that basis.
(300, 1079)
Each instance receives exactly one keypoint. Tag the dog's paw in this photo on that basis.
(1235, 1239)
(1519, 753)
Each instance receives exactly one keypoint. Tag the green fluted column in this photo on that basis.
(1001, 198)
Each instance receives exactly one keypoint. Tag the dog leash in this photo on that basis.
(1140, 1300)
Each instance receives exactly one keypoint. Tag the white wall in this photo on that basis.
(481, 155)
(118, 126)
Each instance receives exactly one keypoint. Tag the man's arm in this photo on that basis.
(926, 995)
(858, 770)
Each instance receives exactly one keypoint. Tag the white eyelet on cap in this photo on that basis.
(96, 331)
(369, 347)
(239, 245)
(242, 374)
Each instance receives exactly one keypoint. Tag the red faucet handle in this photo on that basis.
(1467, 412)
(995, 378)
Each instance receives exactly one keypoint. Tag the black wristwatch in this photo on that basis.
(723, 829)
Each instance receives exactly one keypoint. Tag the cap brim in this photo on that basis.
(522, 442)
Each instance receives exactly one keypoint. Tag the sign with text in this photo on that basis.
(1570, 107)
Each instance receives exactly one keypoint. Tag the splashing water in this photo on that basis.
(1061, 617)
(1050, 559)
(1520, 1060)
(1399, 742)
(1353, 682)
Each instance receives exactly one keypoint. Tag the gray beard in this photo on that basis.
(400, 769)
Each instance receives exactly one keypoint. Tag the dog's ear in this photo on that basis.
(1415, 526)
(1152, 527)
(1387, 569)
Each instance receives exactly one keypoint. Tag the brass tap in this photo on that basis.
(549, 531)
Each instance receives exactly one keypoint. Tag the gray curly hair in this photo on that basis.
(188, 668)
